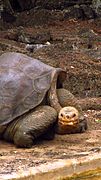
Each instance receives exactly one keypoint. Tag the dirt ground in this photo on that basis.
(76, 47)
(14, 160)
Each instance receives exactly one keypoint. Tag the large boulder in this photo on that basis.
(97, 6)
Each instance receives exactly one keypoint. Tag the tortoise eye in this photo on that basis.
(74, 115)
(62, 115)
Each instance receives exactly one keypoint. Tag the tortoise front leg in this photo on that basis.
(24, 130)
(2, 130)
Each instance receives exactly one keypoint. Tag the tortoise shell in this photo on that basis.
(24, 82)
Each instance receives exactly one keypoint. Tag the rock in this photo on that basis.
(74, 12)
(8, 17)
(30, 38)
(79, 9)
(60, 4)
(34, 47)
(25, 4)
(96, 4)
(88, 11)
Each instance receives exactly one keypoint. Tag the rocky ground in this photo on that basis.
(75, 46)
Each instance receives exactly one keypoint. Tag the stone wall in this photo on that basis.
(83, 5)
(79, 9)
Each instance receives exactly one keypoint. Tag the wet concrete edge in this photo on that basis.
(58, 169)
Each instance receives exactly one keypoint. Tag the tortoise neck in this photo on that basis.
(53, 99)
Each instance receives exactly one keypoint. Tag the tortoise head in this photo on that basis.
(68, 116)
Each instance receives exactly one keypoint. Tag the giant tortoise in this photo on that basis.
(33, 102)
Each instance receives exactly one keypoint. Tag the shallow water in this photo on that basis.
(89, 175)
